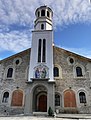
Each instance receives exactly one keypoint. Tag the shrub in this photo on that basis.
(50, 111)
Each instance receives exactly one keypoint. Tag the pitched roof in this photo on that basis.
(17, 54)
(72, 54)
(55, 48)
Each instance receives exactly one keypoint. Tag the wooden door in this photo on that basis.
(42, 105)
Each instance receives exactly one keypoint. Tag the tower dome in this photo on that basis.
(43, 20)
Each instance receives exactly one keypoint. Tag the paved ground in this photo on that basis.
(59, 117)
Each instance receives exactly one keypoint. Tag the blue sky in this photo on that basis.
(71, 20)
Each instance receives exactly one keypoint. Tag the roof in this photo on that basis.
(55, 48)
(17, 54)
(73, 54)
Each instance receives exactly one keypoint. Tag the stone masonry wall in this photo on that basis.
(70, 81)
(18, 82)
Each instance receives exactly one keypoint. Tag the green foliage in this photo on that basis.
(50, 111)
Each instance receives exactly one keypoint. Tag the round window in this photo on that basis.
(71, 60)
(17, 62)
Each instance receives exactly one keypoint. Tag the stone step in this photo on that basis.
(40, 113)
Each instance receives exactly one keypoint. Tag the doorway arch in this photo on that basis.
(69, 99)
(40, 99)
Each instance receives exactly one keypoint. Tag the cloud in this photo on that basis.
(17, 14)
(14, 41)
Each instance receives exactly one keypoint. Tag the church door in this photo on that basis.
(42, 104)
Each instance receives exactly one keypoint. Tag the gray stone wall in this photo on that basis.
(70, 81)
(18, 81)
(66, 80)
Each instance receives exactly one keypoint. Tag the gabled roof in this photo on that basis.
(17, 55)
(55, 48)
(72, 54)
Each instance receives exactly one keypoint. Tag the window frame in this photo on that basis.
(56, 71)
(6, 98)
(83, 72)
(10, 72)
(79, 71)
(60, 71)
(82, 98)
(57, 100)
(43, 12)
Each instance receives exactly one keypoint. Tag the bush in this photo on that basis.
(50, 111)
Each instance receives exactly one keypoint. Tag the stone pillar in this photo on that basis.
(51, 96)
(28, 103)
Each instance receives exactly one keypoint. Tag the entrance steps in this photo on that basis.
(40, 113)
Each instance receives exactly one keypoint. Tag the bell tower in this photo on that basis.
(41, 58)
(43, 18)
(41, 85)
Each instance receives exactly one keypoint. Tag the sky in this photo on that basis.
(71, 25)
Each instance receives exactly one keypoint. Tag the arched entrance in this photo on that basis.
(70, 101)
(40, 99)
(42, 103)
(69, 98)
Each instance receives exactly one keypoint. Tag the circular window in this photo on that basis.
(71, 60)
(17, 62)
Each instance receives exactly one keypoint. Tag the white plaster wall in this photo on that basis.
(48, 35)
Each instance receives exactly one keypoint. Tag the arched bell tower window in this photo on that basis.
(56, 72)
(48, 15)
(10, 73)
(42, 26)
(79, 71)
(42, 12)
(44, 51)
(82, 97)
(39, 50)
(38, 14)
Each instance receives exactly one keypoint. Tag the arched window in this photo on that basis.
(17, 98)
(79, 71)
(48, 15)
(42, 12)
(44, 51)
(38, 13)
(5, 97)
(56, 72)
(10, 73)
(82, 97)
(57, 100)
(42, 26)
(39, 50)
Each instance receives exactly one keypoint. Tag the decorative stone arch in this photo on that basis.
(69, 99)
(39, 92)
(60, 70)
(82, 68)
(86, 95)
(6, 71)
(17, 98)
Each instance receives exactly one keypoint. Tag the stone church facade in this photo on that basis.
(45, 76)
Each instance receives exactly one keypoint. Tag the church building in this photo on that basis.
(45, 76)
